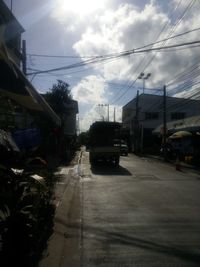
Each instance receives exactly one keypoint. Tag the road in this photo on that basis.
(143, 213)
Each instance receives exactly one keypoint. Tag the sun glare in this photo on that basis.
(81, 7)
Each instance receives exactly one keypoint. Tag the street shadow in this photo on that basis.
(109, 169)
(112, 237)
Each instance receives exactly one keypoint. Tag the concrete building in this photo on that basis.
(14, 86)
(10, 32)
(144, 113)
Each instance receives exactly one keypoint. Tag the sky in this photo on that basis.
(61, 33)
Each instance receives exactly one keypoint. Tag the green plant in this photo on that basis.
(27, 206)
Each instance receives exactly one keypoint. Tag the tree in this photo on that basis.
(58, 97)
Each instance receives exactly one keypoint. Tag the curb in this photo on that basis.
(64, 247)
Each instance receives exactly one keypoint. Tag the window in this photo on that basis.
(151, 115)
(177, 115)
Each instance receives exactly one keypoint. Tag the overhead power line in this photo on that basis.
(166, 47)
(169, 38)
(58, 56)
(113, 54)
(122, 54)
(164, 40)
(188, 7)
(180, 76)
(132, 84)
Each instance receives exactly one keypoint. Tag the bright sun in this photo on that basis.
(81, 7)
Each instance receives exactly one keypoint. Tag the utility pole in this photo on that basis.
(164, 123)
(137, 105)
(78, 126)
(136, 124)
(100, 111)
(108, 111)
(142, 137)
(24, 57)
(114, 115)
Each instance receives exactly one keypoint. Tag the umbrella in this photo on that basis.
(180, 134)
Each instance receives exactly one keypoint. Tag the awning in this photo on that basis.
(17, 87)
(191, 124)
(180, 134)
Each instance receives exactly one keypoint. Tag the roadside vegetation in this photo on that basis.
(26, 213)
(27, 183)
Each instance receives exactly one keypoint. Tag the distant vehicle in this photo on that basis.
(102, 136)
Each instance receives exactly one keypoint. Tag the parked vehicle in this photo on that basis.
(102, 136)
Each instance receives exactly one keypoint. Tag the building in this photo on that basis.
(191, 124)
(183, 134)
(24, 114)
(10, 32)
(145, 112)
(14, 86)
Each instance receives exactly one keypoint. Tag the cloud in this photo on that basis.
(76, 15)
(98, 113)
(126, 27)
(95, 113)
(90, 117)
(90, 90)
(118, 30)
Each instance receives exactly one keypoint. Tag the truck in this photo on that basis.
(103, 136)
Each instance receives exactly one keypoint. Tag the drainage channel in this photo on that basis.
(80, 173)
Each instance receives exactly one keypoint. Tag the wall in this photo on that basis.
(154, 103)
(11, 31)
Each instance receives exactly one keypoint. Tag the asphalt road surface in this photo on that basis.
(142, 213)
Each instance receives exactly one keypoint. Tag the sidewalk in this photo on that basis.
(64, 244)
(183, 165)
